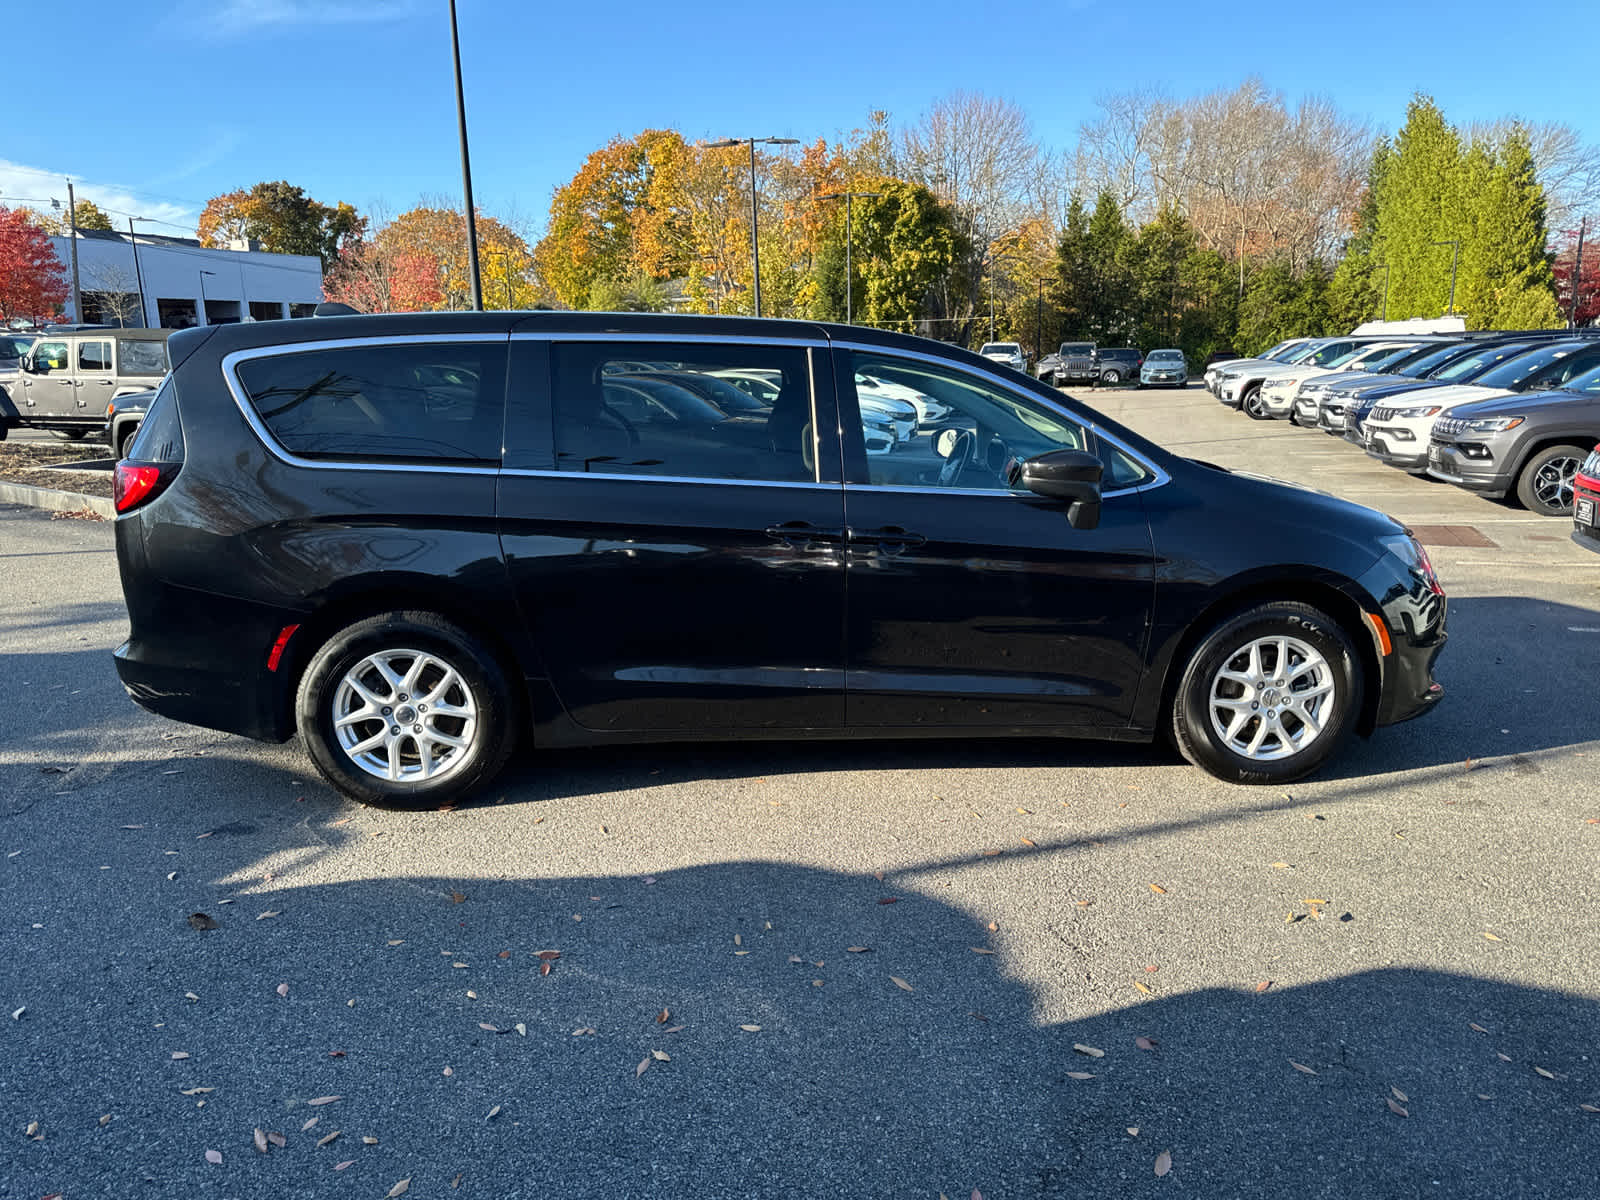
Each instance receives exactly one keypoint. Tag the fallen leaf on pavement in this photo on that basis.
(1145, 1043)
(994, 926)
(902, 984)
(369, 1141)
(1163, 1162)
(888, 899)
(1395, 1108)
(399, 1189)
(324, 1100)
(349, 1162)
(458, 897)
(259, 1140)
(1133, 1131)
(1091, 1051)
(214, 1157)
(283, 989)
(197, 1091)
(544, 968)
(1263, 985)
(858, 949)
(326, 1138)
(979, 950)
(277, 1139)
(548, 955)
(268, 915)
(1144, 987)
(1502, 1057)
(1158, 889)
(660, 1056)
(1589, 1108)
(493, 1113)
(669, 1029)
(1475, 1026)
(751, 1028)
(1544, 1073)
(1301, 1067)
(1399, 1095)
(644, 1065)
(665, 1014)
(488, 1028)
(309, 1124)
(522, 1030)
(1080, 1074)
(177, 1054)
(1490, 937)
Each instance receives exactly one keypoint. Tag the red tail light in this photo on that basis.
(137, 483)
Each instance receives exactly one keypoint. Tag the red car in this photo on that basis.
(1586, 503)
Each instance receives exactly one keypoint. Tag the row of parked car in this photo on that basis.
(1085, 362)
(1506, 414)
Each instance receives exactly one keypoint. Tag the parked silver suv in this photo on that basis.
(72, 373)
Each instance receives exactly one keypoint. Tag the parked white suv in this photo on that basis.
(1008, 353)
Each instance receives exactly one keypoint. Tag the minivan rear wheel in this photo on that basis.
(405, 710)
(1269, 695)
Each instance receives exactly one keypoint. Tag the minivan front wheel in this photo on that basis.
(405, 710)
(1269, 695)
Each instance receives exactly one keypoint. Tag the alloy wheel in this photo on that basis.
(1272, 698)
(1553, 483)
(405, 716)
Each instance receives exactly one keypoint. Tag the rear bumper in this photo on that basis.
(233, 702)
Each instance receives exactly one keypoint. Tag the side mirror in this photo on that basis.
(26, 363)
(1067, 475)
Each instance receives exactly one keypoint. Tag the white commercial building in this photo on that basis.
(183, 283)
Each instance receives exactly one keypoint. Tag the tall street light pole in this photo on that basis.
(1455, 257)
(205, 305)
(1384, 267)
(755, 242)
(72, 233)
(849, 220)
(138, 275)
(1038, 322)
(466, 169)
(1576, 279)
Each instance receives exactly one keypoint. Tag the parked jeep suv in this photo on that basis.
(72, 373)
(1115, 364)
(419, 538)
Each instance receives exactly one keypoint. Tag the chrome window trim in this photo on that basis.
(1161, 477)
(670, 338)
(230, 376)
(540, 473)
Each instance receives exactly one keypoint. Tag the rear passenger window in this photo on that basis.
(691, 411)
(433, 401)
(94, 356)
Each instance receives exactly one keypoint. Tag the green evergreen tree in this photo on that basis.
(1107, 246)
(1506, 280)
(1358, 289)
(1415, 208)
(1074, 290)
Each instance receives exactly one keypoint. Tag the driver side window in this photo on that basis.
(928, 425)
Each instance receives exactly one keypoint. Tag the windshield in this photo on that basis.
(1419, 368)
(12, 346)
(999, 348)
(1302, 353)
(1332, 357)
(1164, 356)
(1510, 374)
(1071, 348)
(1587, 383)
(1377, 356)
(1469, 367)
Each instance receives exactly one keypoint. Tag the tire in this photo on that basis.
(1111, 377)
(1321, 656)
(124, 438)
(1544, 485)
(76, 435)
(1251, 403)
(476, 688)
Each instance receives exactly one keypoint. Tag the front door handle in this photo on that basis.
(804, 531)
(889, 536)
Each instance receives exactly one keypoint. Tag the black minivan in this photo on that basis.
(418, 539)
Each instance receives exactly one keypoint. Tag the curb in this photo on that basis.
(55, 501)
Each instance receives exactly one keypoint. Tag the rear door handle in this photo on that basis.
(804, 531)
(889, 535)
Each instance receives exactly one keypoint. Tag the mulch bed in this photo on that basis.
(28, 463)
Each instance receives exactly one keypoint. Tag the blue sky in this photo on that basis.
(353, 99)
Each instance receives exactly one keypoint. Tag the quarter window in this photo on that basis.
(431, 401)
(688, 411)
(94, 356)
(144, 357)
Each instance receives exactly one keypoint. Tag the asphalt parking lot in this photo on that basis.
(1026, 969)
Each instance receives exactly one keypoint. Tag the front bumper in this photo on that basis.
(1414, 617)
(1385, 445)
(1170, 378)
(1277, 402)
(1473, 465)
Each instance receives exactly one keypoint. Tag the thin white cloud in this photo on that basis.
(25, 186)
(235, 18)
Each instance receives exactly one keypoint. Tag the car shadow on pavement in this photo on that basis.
(742, 1028)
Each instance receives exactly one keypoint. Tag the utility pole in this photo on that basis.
(144, 315)
(1455, 257)
(72, 235)
(755, 239)
(466, 169)
(1577, 276)
(1038, 324)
